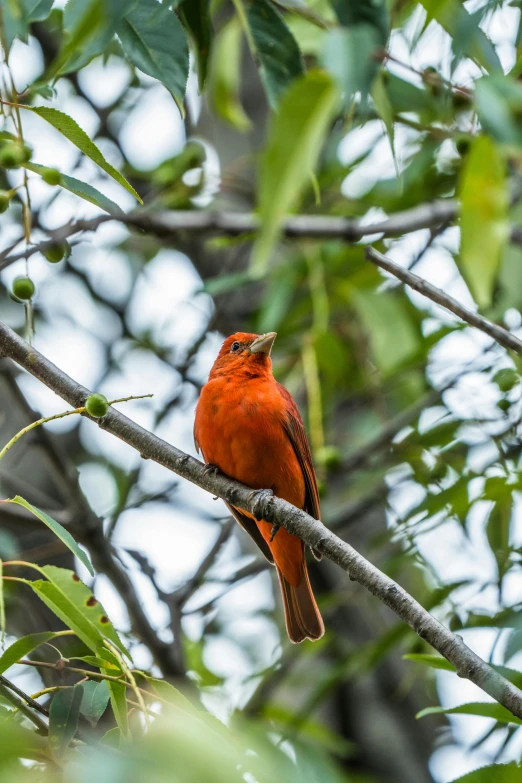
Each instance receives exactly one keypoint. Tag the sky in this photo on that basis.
(167, 300)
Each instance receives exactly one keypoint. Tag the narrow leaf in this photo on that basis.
(59, 531)
(2, 605)
(23, 646)
(64, 713)
(81, 189)
(464, 29)
(95, 699)
(349, 54)
(278, 54)
(482, 709)
(434, 661)
(195, 15)
(118, 692)
(484, 217)
(154, 41)
(76, 606)
(89, 26)
(356, 12)
(17, 15)
(224, 76)
(300, 8)
(294, 142)
(72, 131)
(496, 773)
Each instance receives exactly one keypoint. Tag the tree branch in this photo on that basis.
(263, 505)
(171, 223)
(498, 333)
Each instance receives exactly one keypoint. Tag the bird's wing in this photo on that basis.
(296, 432)
(247, 523)
(250, 526)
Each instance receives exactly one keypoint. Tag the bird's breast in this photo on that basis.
(241, 429)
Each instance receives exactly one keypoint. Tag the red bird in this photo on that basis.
(248, 426)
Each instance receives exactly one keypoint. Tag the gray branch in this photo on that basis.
(172, 223)
(263, 505)
(498, 333)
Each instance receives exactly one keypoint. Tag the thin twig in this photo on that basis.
(498, 333)
(24, 703)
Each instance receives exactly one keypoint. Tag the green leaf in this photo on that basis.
(72, 131)
(300, 8)
(498, 529)
(154, 41)
(434, 661)
(277, 51)
(2, 607)
(112, 738)
(118, 692)
(349, 55)
(499, 106)
(170, 694)
(484, 217)
(81, 189)
(88, 30)
(64, 713)
(294, 142)
(384, 110)
(17, 15)
(58, 530)
(224, 76)
(23, 646)
(355, 12)
(392, 334)
(195, 14)
(496, 773)
(464, 29)
(96, 696)
(76, 606)
(482, 709)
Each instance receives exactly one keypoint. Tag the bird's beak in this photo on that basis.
(263, 343)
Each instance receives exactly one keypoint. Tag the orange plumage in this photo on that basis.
(249, 427)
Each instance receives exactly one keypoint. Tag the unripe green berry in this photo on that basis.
(14, 154)
(97, 405)
(52, 176)
(57, 251)
(5, 198)
(506, 379)
(23, 288)
(504, 405)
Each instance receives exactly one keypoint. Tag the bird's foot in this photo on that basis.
(209, 469)
(261, 499)
(275, 530)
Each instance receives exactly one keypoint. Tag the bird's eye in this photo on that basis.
(235, 347)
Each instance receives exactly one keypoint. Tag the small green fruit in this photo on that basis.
(504, 405)
(52, 176)
(506, 379)
(5, 199)
(23, 288)
(14, 154)
(97, 405)
(57, 251)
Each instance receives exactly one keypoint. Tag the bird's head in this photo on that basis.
(246, 354)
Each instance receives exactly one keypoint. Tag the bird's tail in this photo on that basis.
(302, 616)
